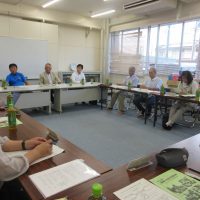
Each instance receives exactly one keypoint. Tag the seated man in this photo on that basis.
(78, 75)
(15, 79)
(120, 95)
(152, 83)
(49, 77)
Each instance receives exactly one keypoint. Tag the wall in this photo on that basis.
(66, 44)
(79, 45)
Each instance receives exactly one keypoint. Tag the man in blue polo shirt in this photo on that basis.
(15, 78)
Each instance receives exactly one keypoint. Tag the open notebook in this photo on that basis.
(55, 151)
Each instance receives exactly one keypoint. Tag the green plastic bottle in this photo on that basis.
(162, 90)
(12, 121)
(70, 82)
(129, 85)
(9, 99)
(97, 192)
(4, 84)
(107, 82)
(82, 82)
(197, 95)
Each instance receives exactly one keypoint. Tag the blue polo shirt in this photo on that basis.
(17, 79)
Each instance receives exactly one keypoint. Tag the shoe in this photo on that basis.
(109, 108)
(120, 112)
(140, 114)
(169, 124)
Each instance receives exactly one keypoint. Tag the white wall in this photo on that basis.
(66, 44)
(79, 45)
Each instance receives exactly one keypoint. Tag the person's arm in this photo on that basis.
(57, 79)
(195, 87)
(41, 80)
(12, 167)
(16, 145)
(73, 79)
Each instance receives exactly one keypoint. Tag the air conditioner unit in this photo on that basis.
(150, 6)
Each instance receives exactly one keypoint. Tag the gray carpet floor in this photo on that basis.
(110, 137)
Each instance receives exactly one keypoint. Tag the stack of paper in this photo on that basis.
(143, 190)
(55, 151)
(62, 177)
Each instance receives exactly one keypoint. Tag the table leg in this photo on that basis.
(155, 111)
(101, 98)
(145, 113)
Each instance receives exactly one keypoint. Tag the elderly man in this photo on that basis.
(134, 80)
(152, 83)
(49, 77)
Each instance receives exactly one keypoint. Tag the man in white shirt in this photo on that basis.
(152, 83)
(78, 75)
(134, 80)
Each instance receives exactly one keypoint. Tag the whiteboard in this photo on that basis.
(29, 55)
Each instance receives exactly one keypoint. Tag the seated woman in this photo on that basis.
(13, 167)
(187, 86)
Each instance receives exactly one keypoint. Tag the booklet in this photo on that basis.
(178, 184)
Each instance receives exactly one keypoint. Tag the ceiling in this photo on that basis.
(82, 7)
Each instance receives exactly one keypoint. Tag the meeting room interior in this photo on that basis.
(99, 99)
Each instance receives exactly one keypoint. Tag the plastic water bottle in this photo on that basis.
(12, 122)
(97, 192)
(9, 99)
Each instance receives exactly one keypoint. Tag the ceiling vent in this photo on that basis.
(148, 6)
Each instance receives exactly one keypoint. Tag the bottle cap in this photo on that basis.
(97, 190)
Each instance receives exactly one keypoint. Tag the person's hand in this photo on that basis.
(41, 150)
(143, 87)
(44, 149)
(32, 143)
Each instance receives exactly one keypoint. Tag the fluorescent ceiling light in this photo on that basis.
(49, 3)
(103, 13)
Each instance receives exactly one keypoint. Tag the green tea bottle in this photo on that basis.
(12, 121)
(129, 85)
(70, 82)
(4, 84)
(97, 192)
(197, 95)
(82, 82)
(9, 99)
(162, 90)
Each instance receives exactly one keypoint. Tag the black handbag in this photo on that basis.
(172, 157)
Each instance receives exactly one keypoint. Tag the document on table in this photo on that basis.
(143, 190)
(178, 184)
(55, 151)
(4, 122)
(62, 177)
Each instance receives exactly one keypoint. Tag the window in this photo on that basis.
(130, 42)
(169, 47)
